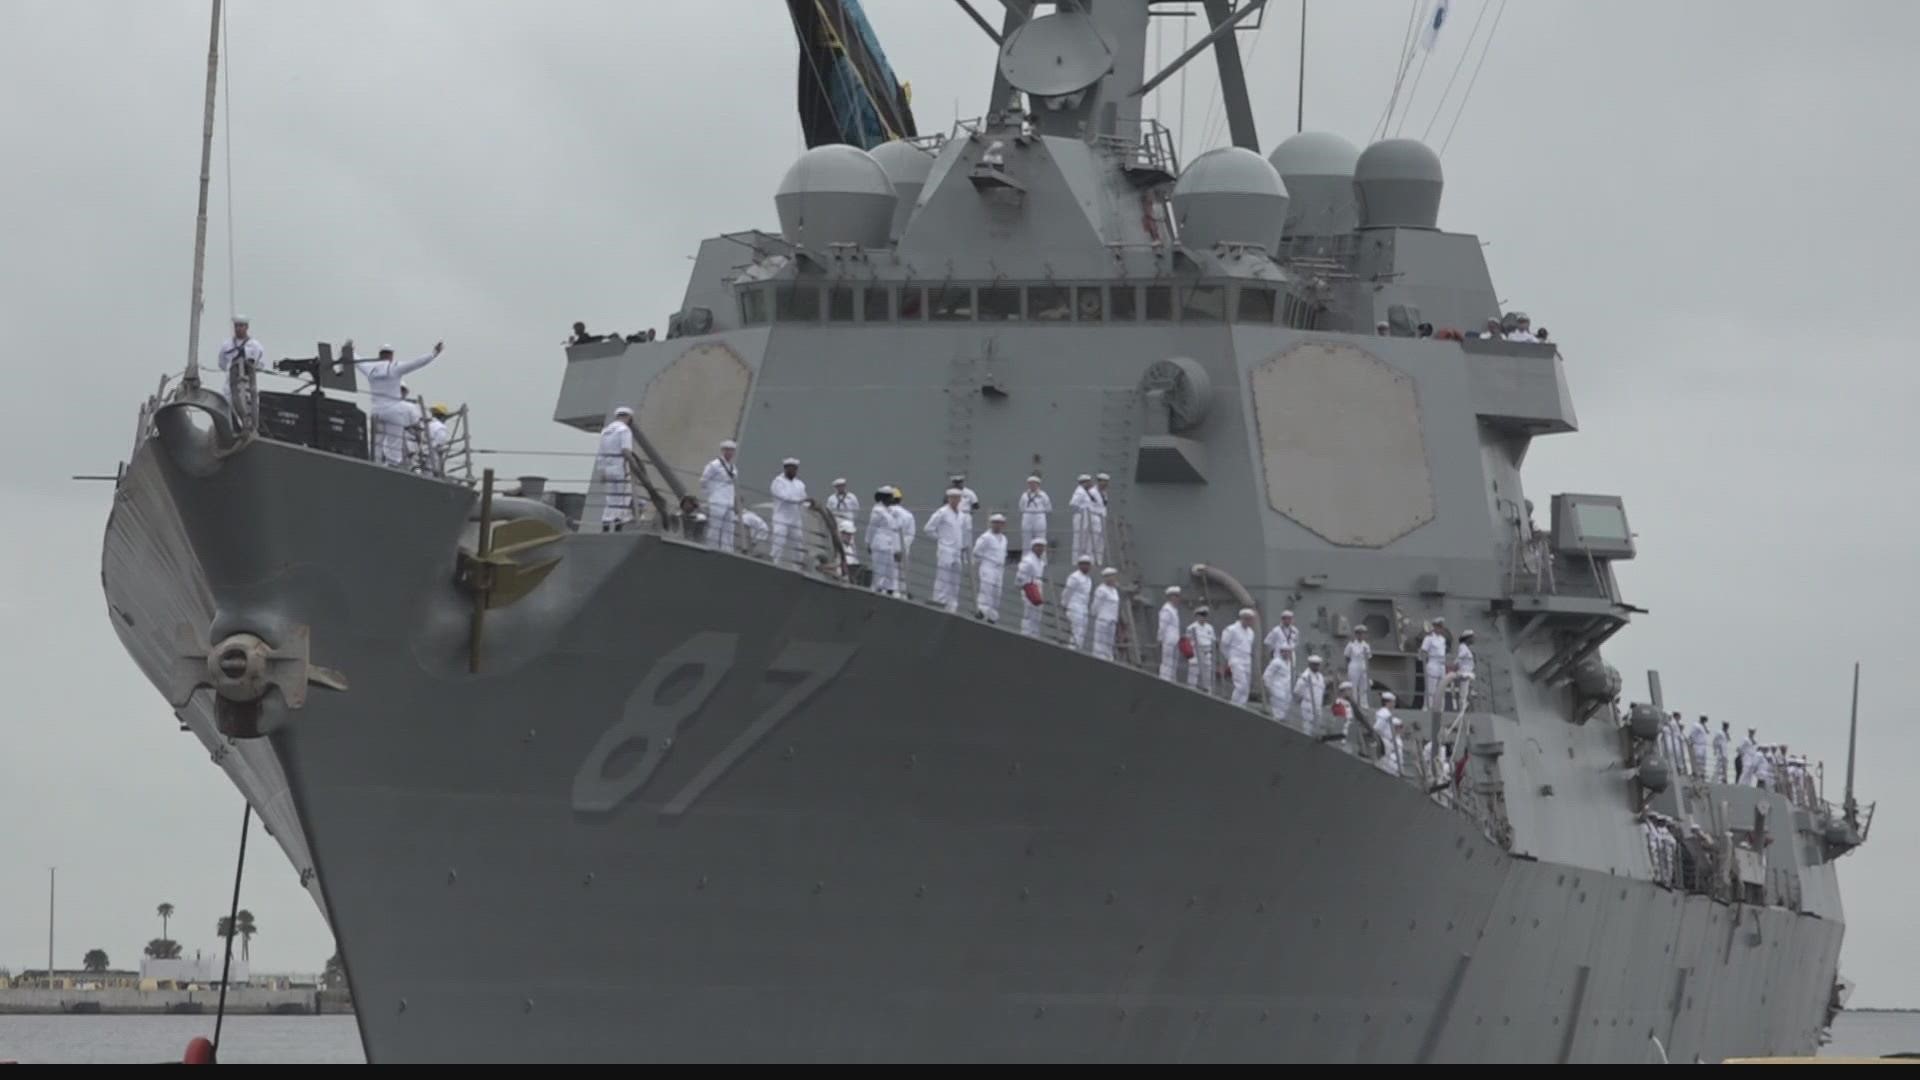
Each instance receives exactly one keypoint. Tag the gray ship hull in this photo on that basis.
(840, 827)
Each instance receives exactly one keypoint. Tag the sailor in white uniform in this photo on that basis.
(844, 505)
(1236, 646)
(1309, 695)
(717, 491)
(240, 356)
(1082, 505)
(1030, 581)
(1076, 597)
(1168, 635)
(1722, 750)
(1200, 668)
(1034, 506)
(1433, 648)
(789, 501)
(1462, 675)
(1700, 742)
(1105, 611)
(946, 527)
(1359, 652)
(1387, 728)
(391, 413)
(1281, 643)
(990, 568)
(904, 525)
(969, 503)
(883, 544)
(1102, 503)
(616, 439)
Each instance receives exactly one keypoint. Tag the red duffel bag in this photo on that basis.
(1033, 593)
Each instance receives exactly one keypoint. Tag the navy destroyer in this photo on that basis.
(574, 793)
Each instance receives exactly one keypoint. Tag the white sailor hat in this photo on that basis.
(956, 478)
(1108, 571)
(386, 348)
(1102, 476)
(1387, 695)
(1345, 685)
(1288, 614)
(954, 493)
(242, 320)
(1359, 628)
(1314, 659)
(1247, 613)
(789, 461)
(1082, 478)
(1467, 633)
(1201, 610)
(1173, 590)
(838, 480)
(1088, 559)
(996, 517)
(729, 444)
(845, 525)
(1038, 541)
(623, 411)
(1033, 479)
(1439, 619)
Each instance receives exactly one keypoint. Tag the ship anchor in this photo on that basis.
(240, 669)
(491, 574)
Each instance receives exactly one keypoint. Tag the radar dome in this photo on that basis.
(908, 167)
(1230, 195)
(1398, 182)
(835, 194)
(1317, 167)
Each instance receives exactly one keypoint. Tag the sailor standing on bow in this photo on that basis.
(717, 491)
(1310, 695)
(1722, 747)
(616, 440)
(1200, 668)
(1105, 611)
(391, 413)
(240, 357)
(1434, 648)
(844, 505)
(946, 527)
(1030, 581)
(1359, 652)
(1168, 635)
(1281, 642)
(1083, 517)
(990, 568)
(1076, 598)
(883, 544)
(789, 499)
(1387, 728)
(969, 504)
(1236, 647)
(1035, 505)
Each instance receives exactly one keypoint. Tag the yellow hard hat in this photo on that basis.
(439, 410)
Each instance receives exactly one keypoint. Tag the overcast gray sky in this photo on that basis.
(1708, 204)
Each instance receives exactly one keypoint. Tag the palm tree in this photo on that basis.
(96, 960)
(246, 930)
(163, 949)
(166, 912)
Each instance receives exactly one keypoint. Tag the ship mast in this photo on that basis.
(191, 377)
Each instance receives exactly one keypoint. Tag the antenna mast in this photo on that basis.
(1300, 96)
(192, 375)
(1850, 808)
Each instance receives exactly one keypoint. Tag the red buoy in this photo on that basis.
(199, 1052)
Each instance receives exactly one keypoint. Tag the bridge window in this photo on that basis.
(797, 303)
(913, 303)
(1088, 299)
(950, 303)
(878, 304)
(753, 307)
(1159, 304)
(1126, 303)
(1204, 303)
(999, 303)
(840, 303)
(1256, 305)
(1048, 303)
